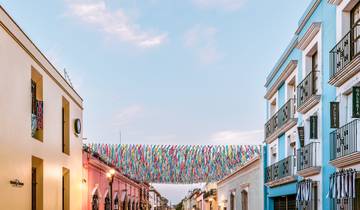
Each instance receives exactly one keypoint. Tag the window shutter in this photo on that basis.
(313, 127)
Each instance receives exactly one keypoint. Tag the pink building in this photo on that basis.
(126, 194)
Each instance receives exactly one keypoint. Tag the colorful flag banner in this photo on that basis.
(175, 163)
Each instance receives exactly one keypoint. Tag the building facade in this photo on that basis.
(41, 138)
(311, 155)
(102, 191)
(241, 189)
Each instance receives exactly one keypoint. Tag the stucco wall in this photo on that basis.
(249, 178)
(17, 57)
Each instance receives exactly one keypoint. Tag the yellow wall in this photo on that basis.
(17, 57)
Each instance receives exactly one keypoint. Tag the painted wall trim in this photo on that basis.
(307, 15)
(291, 66)
(335, 2)
(309, 35)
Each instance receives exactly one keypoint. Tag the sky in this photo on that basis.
(165, 72)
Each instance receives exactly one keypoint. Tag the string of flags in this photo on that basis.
(175, 163)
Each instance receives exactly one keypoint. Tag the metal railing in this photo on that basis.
(307, 88)
(344, 140)
(345, 51)
(283, 115)
(307, 156)
(281, 169)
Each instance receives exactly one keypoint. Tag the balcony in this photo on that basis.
(307, 90)
(308, 160)
(344, 59)
(281, 121)
(281, 172)
(344, 145)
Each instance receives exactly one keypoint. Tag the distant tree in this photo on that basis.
(179, 206)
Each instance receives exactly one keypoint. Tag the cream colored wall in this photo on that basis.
(17, 145)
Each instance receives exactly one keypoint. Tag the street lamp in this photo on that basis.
(110, 175)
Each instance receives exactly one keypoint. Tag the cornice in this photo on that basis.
(291, 66)
(305, 19)
(309, 35)
(335, 2)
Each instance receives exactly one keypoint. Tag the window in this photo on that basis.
(244, 200)
(355, 20)
(232, 200)
(285, 202)
(272, 108)
(116, 201)
(314, 69)
(95, 201)
(37, 183)
(65, 127)
(107, 201)
(349, 204)
(65, 189)
(37, 105)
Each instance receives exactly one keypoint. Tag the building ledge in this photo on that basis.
(309, 36)
(346, 73)
(309, 171)
(291, 66)
(288, 125)
(347, 160)
(281, 181)
(309, 103)
(335, 2)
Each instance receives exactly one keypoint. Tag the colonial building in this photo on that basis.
(241, 189)
(41, 138)
(104, 186)
(313, 104)
(154, 199)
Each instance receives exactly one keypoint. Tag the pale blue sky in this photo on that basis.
(165, 72)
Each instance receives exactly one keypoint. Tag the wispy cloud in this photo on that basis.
(126, 115)
(253, 137)
(228, 5)
(202, 40)
(115, 23)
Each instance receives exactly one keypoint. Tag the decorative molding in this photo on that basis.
(291, 66)
(309, 171)
(309, 103)
(309, 35)
(282, 181)
(335, 2)
(248, 165)
(307, 16)
(347, 160)
(346, 73)
(287, 126)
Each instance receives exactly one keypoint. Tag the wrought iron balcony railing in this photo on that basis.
(307, 157)
(307, 88)
(281, 169)
(344, 51)
(345, 140)
(280, 118)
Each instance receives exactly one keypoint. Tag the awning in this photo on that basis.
(342, 184)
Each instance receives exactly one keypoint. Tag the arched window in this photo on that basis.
(95, 201)
(232, 200)
(244, 200)
(116, 201)
(107, 201)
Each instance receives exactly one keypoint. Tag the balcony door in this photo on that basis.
(355, 25)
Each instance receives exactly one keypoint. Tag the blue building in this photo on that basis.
(312, 129)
